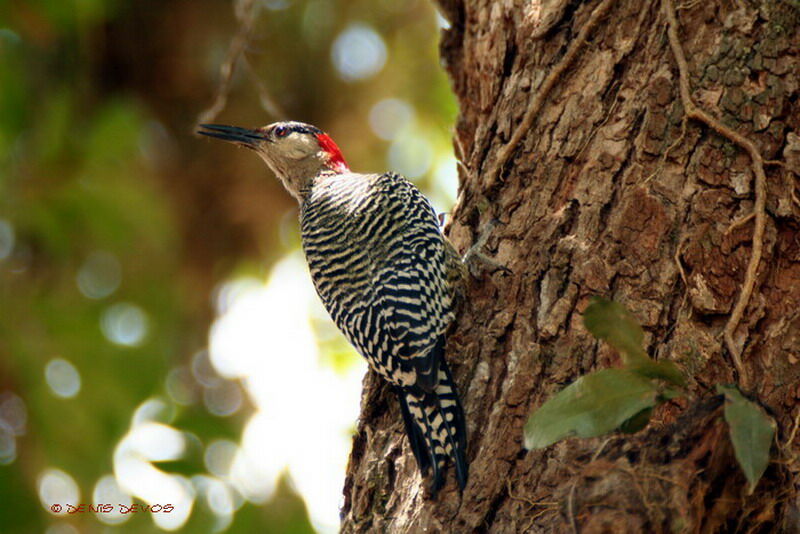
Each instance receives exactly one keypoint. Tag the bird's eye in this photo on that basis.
(281, 131)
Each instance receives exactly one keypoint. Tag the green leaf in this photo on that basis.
(669, 394)
(637, 422)
(662, 369)
(611, 322)
(594, 404)
(751, 431)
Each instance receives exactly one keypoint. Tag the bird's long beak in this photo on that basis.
(233, 134)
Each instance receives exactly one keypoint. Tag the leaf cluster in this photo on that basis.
(624, 398)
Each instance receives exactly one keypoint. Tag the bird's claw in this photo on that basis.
(476, 261)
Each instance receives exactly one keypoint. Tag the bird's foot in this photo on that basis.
(476, 261)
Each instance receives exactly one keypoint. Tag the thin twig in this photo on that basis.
(688, 5)
(777, 162)
(739, 222)
(642, 494)
(663, 159)
(590, 137)
(267, 102)
(599, 450)
(547, 506)
(677, 258)
(246, 12)
(537, 515)
(793, 433)
(533, 504)
(759, 209)
(461, 154)
(573, 522)
(539, 98)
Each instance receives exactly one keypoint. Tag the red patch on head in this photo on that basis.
(335, 159)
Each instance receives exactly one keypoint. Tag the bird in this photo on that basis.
(384, 271)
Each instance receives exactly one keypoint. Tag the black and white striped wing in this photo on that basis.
(379, 264)
(411, 294)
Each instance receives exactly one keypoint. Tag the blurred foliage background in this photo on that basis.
(126, 240)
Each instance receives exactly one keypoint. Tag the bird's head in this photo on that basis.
(295, 151)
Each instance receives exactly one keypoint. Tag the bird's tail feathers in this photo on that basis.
(436, 428)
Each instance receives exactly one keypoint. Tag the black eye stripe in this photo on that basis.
(285, 128)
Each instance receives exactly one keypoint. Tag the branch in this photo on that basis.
(247, 13)
(759, 209)
(539, 98)
(267, 102)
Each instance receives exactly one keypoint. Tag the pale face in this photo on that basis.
(292, 144)
(296, 152)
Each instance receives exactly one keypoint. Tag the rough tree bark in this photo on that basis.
(608, 179)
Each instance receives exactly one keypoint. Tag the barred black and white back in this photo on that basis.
(380, 265)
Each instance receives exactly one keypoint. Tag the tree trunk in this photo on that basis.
(608, 189)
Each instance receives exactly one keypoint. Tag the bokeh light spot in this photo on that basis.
(62, 377)
(10, 36)
(220, 499)
(318, 17)
(219, 457)
(179, 386)
(57, 487)
(6, 239)
(148, 441)
(411, 156)
(442, 22)
(203, 371)
(358, 53)
(8, 443)
(389, 117)
(224, 399)
(61, 528)
(13, 412)
(276, 5)
(108, 491)
(124, 324)
(156, 441)
(100, 275)
(227, 293)
(153, 410)
(445, 181)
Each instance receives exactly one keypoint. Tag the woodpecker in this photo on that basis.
(385, 273)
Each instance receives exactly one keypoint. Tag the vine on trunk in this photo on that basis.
(759, 209)
(539, 98)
